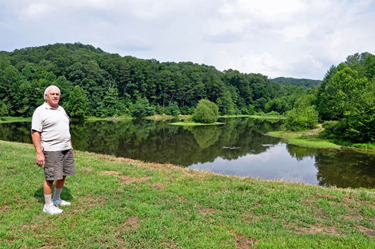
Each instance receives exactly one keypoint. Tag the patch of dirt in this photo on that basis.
(245, 243)
(86, 170)
(169, 245)
(321, 229)
(115, 173)
(368, 231)
(131, 223)
(131, 180)
(4, 209)
(157, 185)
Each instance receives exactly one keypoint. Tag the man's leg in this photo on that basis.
(68, 168)
(48, 206)
(47, 189)
(58, 188)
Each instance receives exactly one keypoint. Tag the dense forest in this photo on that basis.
(297, 82)
(97, 83)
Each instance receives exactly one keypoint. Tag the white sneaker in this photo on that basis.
(52, 209)
(60, 202)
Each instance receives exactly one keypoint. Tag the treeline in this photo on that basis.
(344, 101)
(307, 83)
(96, 83)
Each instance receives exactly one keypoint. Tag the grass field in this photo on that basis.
(123, 203)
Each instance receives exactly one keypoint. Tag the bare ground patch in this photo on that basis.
(169, 245)
(115, 173)
(319, 229)
(243, 242)
(4, 209)
(131, 180)
(368, 231)
(157, 185)
(131, 223)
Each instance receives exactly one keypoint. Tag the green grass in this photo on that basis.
(268, 117)
(313, 143)
(305, 138)
(276, 117)
(123, 203)
(14, 119)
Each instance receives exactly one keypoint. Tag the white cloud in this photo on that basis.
(294, 38)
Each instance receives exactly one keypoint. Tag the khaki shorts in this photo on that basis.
(58, 164)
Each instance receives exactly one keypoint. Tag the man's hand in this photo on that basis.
(40, 159)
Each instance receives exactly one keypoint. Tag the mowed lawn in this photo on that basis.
(123, 203)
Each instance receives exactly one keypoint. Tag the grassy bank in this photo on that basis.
(270, 117)
(14, 119)
(308, 138)
(122, 203)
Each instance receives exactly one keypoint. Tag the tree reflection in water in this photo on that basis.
(237, 138)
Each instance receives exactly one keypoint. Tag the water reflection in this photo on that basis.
(236, 148)
(273, 164)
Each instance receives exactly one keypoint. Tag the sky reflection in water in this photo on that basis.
(274, 164)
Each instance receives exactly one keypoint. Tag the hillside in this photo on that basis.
(306, 83)
(110, 84)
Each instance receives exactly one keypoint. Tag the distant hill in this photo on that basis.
(297, 82)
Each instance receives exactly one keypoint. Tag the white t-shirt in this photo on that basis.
(53, 125)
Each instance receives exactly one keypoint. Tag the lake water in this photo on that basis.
(238, 147)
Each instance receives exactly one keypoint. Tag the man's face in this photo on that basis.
(53, 97)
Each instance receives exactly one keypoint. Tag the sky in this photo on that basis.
(289, 38)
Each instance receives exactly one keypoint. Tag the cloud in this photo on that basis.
(293, 38)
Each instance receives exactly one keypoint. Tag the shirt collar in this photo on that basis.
(48, 107)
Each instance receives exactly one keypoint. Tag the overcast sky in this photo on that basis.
(290, 38)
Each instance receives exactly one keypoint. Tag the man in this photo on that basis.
(54, 151)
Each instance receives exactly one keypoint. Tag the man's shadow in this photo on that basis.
(65, 194)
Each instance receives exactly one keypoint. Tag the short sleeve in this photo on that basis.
(36, 123)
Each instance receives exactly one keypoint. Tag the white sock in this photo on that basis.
(47, 199)
(56, 196)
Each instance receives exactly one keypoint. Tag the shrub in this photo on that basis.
(172, 109)
(302, 119)
(142, 108)
(206, 112)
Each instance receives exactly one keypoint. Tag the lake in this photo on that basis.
(238, 147)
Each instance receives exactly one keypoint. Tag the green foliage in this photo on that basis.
(142, 108)
(77, 103)
(3, 109)
(112, 83)
(172, 109)
(206, 112)
(303, 116)
(297, 82)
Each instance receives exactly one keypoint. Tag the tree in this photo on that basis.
(77, 103)
(206, 112)
(303, 116)
(355, 102)
(142, 108)
(3, 109)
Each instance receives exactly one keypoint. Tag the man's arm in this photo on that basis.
(40, 160)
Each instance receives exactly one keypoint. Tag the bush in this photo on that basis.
(206, 112)
(142, 108)
(302, 119)
(172, 109)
